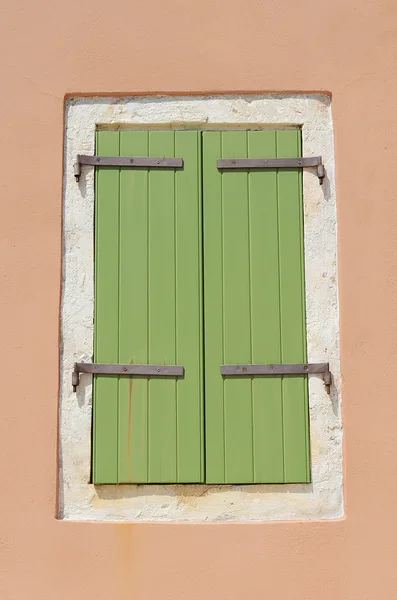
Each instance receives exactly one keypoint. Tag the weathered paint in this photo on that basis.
(50, 50)
(321, 499)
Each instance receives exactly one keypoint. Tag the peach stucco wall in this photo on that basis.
(49, 50)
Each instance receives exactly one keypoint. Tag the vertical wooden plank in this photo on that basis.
(105, 407)
(188, 308)
(293, 326)
(237, 313)
(162, 312)
(133, 310)
(265, 311)
(213, 309)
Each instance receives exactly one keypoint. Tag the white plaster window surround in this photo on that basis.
(79, 499)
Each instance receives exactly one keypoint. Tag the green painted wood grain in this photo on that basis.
(265, 311)
(236, 313)
(148, 299)
(292, 310)
(162, 312)
(105, 400)
(150, 306)
(256, 428)
(188, 296)
(213, 309)
(133, 311)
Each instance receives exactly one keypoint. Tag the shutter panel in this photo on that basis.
(148, 309)
(256, 427)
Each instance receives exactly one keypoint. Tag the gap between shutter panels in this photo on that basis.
(243, 459)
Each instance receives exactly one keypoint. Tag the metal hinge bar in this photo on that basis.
(281, 369)
(121, 369)
(274, 163)
(125, 161)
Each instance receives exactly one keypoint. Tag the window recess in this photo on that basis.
(199, 279)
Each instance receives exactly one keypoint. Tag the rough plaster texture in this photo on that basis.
(322, 499)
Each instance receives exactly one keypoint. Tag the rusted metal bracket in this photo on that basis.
(120, 369)
(274, 163)
(160, 162)
(281, 369)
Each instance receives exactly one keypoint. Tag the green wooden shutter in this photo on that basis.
(256, 427)
(148, 309)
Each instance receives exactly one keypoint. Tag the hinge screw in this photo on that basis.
(320, 173)
(327, 378)
(75, 378)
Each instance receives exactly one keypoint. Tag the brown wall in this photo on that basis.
(51, 49)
